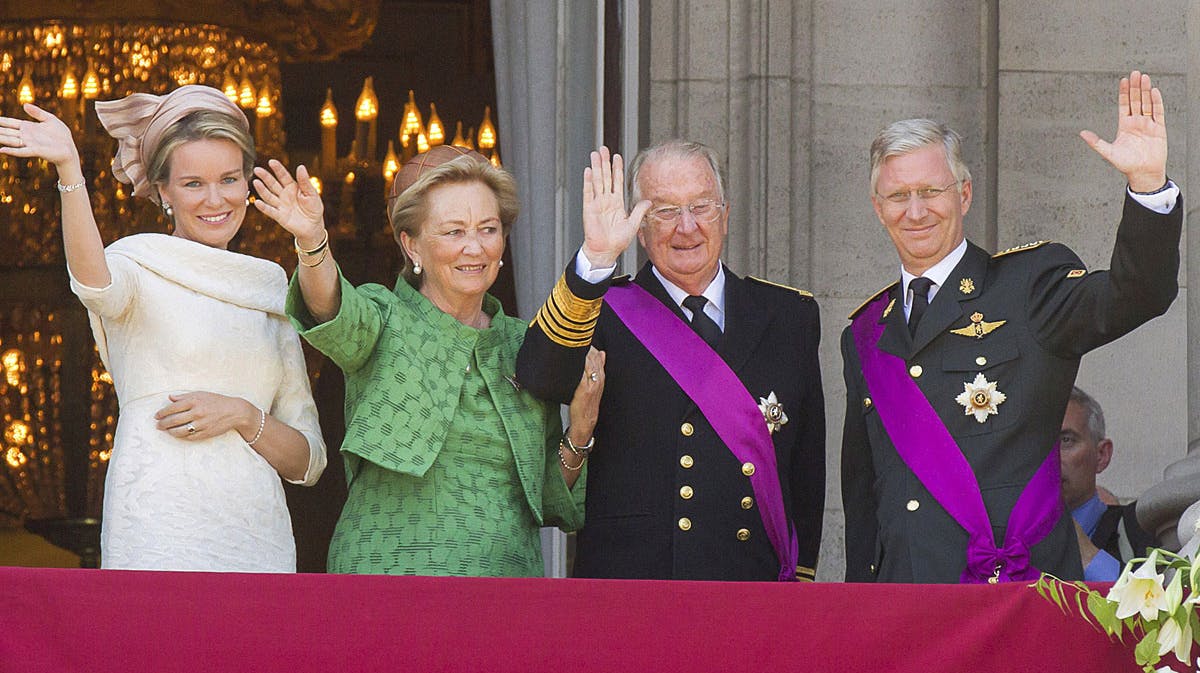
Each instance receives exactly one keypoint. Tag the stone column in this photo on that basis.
(1160, 507)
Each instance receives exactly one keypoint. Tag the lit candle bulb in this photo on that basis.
(246, 97)
(366, 112)
(458, 136)
(25, 93)
(230, 88)
(391, 163)
(487, 132)
(91, 91)
(412, 116)
(69, 94)
(262, 112)
(328, 133)
(437, 132)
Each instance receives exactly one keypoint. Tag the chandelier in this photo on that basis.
(340, 179)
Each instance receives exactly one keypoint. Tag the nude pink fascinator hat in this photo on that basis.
(139, 121)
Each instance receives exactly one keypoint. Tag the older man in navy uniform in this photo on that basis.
(709, 457)
(958, 375)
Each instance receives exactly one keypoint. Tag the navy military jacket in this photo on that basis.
(1053, 312)
(666, 499)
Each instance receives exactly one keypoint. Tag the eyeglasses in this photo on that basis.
(925, 194)
(703, 211)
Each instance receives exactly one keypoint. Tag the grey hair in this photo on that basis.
(675, 148)
(909, 135)
(1093, 414)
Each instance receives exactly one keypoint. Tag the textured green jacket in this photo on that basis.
(405, 361)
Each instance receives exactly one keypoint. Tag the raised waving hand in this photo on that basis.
(1140, 148)
(608, 228)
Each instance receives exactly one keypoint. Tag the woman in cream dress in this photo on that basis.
(215, 403)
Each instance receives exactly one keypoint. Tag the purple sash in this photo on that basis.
(929, 450)
(721, 397)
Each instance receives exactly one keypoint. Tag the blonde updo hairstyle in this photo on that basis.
(200, 125)
(408, 211)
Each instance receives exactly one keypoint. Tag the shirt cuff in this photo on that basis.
(1103, 568)
(1160, 202)
(584, 269)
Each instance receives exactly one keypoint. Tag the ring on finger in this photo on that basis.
(191, 429)
(593, 376)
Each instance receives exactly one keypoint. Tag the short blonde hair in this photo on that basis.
(408, 211)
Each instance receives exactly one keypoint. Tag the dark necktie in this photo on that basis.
(704, 325)
(920, 287)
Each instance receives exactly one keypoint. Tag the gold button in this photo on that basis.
(866, 403)
(685, 461)
(747, 502)
(981, 361)
(748, 469)
(915, 371)
(686, 429)
(685, 492)
(913, 505)
(743, 534)
(685, 524)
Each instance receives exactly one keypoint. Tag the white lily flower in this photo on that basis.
(1172, 637)
(1141, 592)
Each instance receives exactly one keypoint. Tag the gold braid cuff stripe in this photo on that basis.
(567, 319)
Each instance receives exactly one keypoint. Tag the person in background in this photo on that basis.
(1113, 530)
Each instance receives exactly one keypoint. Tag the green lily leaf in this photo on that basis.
(1146, 651)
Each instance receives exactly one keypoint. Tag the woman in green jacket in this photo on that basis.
(452, 468)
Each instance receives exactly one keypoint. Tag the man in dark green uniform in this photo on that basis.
(957, 376)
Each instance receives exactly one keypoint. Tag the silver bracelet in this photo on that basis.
(578, 450)
(262, 423)
(67, 189)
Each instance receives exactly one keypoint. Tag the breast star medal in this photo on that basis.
(978, 327)
(966, 286)
(980, 398)
(772, 412)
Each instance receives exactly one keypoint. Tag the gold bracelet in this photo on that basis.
(563, 460)
(324, 254)
(67, 189)
(315, 251)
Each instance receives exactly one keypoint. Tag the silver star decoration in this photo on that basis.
(980, 398)
(772, 412)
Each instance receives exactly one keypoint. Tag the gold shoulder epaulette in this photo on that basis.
(763, 281)
(1020, 248)
(872, 298)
